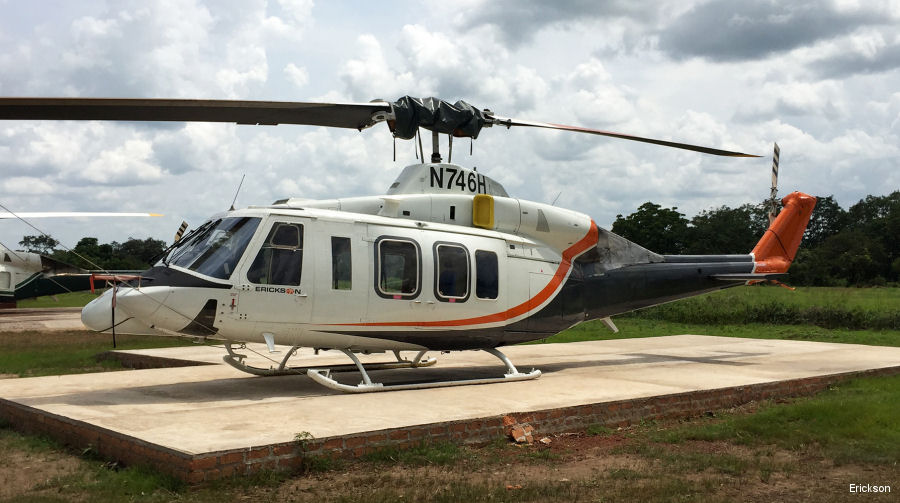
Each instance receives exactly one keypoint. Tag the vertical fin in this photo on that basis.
(778, 246)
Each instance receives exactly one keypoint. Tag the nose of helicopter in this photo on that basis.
(97, 314)
(129, 303)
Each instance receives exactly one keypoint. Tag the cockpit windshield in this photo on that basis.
(215, 248)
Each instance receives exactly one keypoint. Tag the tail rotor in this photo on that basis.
(773, 197)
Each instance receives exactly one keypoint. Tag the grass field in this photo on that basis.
(848, 315)
(808, 449)
(73, 299)
(31, 354)
(849, 308)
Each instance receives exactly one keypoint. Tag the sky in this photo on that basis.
(822, 78)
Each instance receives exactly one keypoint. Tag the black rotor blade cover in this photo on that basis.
(459, 119)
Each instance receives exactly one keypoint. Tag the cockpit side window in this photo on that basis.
(280, 260)
(216, 248)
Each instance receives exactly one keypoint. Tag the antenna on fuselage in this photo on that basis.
(238, 191)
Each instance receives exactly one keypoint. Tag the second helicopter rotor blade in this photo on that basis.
(502, 121)
(342, 115)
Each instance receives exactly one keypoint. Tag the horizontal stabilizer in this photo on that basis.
(750, 277)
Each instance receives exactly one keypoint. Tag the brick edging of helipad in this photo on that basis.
(289, 455)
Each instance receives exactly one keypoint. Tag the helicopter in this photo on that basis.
(445, 260)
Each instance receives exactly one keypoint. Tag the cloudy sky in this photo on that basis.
(822, 78)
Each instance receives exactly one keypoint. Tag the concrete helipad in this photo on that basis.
(44, 319)
(203, 422)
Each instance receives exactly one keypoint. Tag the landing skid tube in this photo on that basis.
(236, 360)
(323, 377)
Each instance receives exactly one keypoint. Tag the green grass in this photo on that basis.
(73, 299)
(639, 327)
(849, 308)
(29, 354)
(853, 422)
(441, 453)
(808, 314)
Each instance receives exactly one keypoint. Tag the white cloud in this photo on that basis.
(368, 75)
(127, 163)
(27, 185)
(828, 96)
(297, 75)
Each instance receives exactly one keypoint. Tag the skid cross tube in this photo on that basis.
(323, 377)
(236, 360)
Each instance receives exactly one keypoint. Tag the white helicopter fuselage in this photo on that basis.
(434, 264)
(367, 273)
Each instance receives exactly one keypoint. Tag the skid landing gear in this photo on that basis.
(323, 377)
(236, 360)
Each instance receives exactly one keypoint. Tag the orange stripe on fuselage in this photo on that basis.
(590, 239)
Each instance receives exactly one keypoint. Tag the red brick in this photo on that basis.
(194, 477)
(437, 430)
(416, 433)
(231, 457)
(399, 435)
(261, 452)
(378, 437)
(203, 463)
(230, 471)
(458, 427)
(556, 413)
(353, 442)
(333, 443)
(474, 425)
(284, 450)
(289, 463)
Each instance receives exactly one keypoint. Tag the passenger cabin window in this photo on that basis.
(451, 272)
(487, 279)
(341, 268)
(398, 268)
(280, 260)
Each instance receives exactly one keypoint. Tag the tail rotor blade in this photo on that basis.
(773, 195)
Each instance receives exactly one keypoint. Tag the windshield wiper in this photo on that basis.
(184, 239)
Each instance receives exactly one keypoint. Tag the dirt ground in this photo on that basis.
(621, 466)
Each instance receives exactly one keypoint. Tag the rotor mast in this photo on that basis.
(435, 147)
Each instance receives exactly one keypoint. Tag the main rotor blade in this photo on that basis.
(502, 121)
(64, 214)
(343, 115)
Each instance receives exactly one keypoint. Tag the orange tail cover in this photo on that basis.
(778, 246)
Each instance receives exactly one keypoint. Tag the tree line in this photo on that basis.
(859, 246)
(89, 253)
